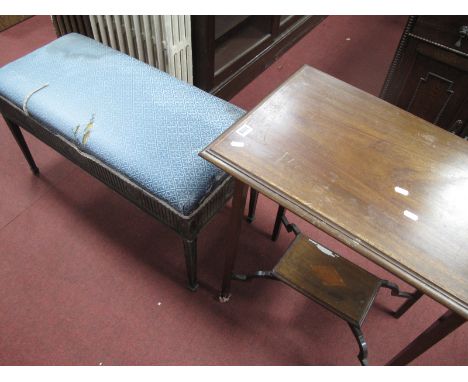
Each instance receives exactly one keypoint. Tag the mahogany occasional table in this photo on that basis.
(382, 181)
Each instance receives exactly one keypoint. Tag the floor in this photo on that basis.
(88, 279)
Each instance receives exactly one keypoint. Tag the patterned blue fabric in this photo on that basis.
(138, 120)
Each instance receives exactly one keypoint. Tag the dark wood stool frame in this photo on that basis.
(187, 227)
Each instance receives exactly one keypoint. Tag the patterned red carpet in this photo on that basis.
(88, 279)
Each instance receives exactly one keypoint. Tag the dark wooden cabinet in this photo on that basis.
(7, 21)
(429, 73)
(229, 51)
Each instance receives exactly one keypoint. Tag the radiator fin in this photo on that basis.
(161, 41)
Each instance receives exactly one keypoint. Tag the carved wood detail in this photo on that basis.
(436, 91)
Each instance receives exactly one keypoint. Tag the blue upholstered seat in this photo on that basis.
(136, 119)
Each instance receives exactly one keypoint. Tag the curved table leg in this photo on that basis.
(362, 344)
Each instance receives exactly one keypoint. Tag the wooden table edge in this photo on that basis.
(241, 120)
(371, 253)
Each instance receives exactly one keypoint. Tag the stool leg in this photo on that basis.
(362, 344)
(252, 205)
(278, 223)
(16, 131)
(190, 252)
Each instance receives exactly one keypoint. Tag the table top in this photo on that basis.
(386, 183)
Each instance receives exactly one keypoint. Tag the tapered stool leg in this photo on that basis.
(18, 135)
(190, 252)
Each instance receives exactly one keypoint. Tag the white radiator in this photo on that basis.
(161, 41)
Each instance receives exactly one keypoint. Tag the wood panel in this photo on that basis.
(429, 73)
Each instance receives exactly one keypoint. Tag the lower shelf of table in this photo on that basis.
(329, 279)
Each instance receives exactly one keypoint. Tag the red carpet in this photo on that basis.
(88, 279)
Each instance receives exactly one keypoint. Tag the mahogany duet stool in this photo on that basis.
(134, 127)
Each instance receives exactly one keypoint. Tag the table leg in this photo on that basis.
(232, 241)
(446, 324)
(252, 205)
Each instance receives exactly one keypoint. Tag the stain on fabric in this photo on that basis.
(87, 130)
(75, 131)
(86, 137)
